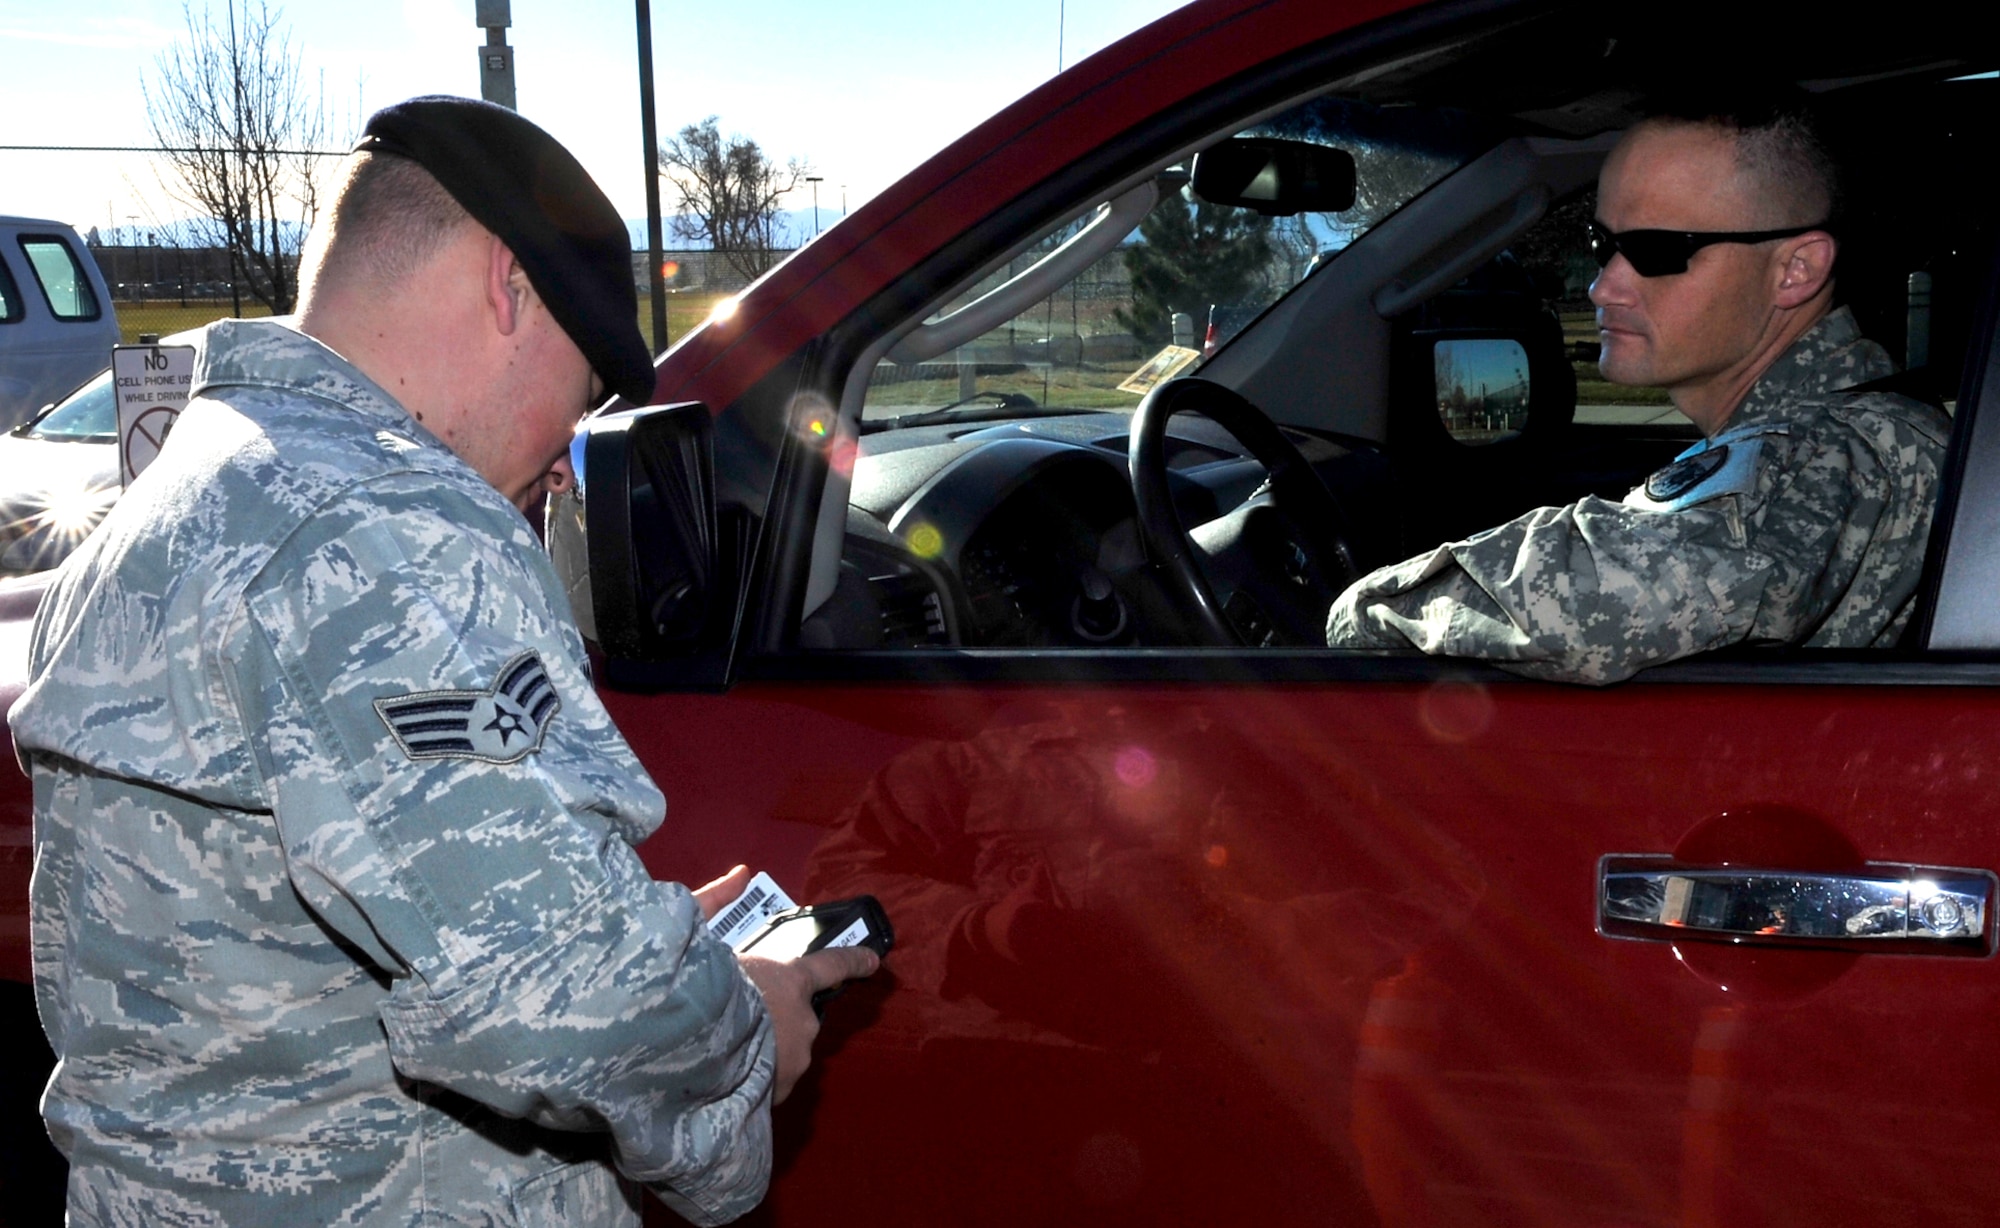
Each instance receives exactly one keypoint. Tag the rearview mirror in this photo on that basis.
(1274, 177)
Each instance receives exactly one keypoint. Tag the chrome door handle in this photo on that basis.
(1879, 907)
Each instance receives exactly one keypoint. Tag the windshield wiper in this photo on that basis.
(970, 409)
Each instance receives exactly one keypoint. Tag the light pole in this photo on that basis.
(815, 180)
(496, 58)
(656, 275)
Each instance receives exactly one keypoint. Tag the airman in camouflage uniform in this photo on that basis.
(1802, 518)
(336, 913)
(339, 955)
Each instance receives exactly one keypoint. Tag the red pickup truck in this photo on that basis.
(1198, 920)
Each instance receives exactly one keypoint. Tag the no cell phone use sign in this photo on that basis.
(152, 383)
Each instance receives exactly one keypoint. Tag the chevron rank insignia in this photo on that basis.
(503, 724)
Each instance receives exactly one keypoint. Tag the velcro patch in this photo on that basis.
(502, 724)
(1724, 465)
(1684, 475)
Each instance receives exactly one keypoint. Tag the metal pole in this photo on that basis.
(815, 181)
(496, 58)
(649, 128)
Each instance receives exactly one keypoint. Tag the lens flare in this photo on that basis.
(925, 541)
(72, 514)
(52, 522)
(1456, 712)
(840, 457)
(1135, 767)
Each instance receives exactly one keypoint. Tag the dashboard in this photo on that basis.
(1023, 533)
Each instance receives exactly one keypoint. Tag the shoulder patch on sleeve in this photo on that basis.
(1724, 465)
(502, 724)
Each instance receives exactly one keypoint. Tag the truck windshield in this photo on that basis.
(1185, 280)
(91, 412)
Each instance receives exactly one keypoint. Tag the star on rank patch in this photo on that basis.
(502, 724)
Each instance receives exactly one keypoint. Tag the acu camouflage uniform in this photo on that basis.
(336, 916)
(1803, 522)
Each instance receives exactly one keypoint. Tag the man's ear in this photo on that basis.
(1805, 266)
(507, 288)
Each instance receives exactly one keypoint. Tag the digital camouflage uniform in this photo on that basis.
(336, 917)
(1803, 521)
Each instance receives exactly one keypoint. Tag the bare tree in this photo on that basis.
(239, 129)
(729, 191)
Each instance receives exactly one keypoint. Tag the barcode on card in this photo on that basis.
(740, 909)
(759, 900)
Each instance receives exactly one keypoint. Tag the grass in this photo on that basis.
(1594, 389)
(684, 312)
(163, 318)
(1591, 388)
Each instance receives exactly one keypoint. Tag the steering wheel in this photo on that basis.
(1264, 573)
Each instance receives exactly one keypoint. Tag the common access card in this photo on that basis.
(747, 911)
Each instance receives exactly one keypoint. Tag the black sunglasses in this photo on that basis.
(1662, 253)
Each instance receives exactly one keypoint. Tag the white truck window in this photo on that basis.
(62, 278)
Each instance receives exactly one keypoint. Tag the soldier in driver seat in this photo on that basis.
(1802, 516)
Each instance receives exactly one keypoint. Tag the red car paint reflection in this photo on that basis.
(1298, 966)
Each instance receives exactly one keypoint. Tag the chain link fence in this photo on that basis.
(161, 290)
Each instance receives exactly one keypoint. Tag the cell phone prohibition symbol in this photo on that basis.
(147, 436)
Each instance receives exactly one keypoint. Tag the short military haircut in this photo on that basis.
(389, 218)
(1780, 143)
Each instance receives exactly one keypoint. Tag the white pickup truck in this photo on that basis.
(56, 322)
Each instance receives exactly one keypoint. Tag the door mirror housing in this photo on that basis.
(1275, 177)
(637, 546)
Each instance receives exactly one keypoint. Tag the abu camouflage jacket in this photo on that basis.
(336, 915)
(1804, 521)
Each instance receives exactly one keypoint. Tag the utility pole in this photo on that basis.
(496, 58)
(815, 180)
(649, 129)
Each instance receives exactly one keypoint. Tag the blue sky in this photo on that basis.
(863, 91)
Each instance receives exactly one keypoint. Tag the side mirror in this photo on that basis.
(648, 585)
(1275, 177)
(1482, 387)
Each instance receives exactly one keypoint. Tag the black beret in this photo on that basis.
(519, 183)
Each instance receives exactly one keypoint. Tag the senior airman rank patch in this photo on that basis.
(502, 724)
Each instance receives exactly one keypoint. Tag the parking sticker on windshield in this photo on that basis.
(1160, 368)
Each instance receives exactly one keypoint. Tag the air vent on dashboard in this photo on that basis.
(912, 610)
